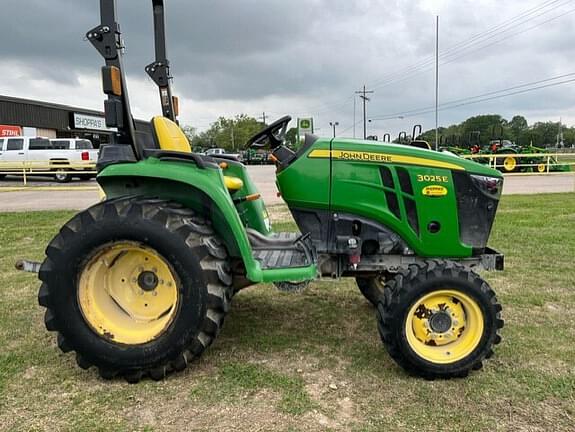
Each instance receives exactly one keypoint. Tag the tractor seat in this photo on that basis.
(170, 137)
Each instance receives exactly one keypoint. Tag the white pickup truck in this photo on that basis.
(64, 157)
(220, 152)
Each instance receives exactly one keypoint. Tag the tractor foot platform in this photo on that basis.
(282, 250)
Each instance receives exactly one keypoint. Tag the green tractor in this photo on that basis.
(512, 157)
(139, 284)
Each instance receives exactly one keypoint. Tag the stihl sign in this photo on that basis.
(10, 131)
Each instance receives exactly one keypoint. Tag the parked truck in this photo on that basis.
(62, 158)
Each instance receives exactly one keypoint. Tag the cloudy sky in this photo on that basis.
(307, 58)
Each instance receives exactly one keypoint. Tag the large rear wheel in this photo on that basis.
(136, 287)
(439, 320)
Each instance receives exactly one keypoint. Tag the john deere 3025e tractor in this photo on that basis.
(139, 284)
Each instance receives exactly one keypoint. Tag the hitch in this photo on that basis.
(28, 266)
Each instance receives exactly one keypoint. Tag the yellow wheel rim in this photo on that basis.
(541, 168)
(444, 326)
(509, 163)
(128, 293)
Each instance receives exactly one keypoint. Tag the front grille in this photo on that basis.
(476, 212)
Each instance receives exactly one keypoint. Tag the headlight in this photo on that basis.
(490, 186)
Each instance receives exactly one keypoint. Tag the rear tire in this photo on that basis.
(62, 177)
(196, 260)
(507, 163)
(439, 320)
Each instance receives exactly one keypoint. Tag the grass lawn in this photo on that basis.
(311, 361)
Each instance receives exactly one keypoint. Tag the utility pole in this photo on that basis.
(263, 117)
(436, 83)
(362, 94)
(333, 125)
(233, 138)
(354, 104)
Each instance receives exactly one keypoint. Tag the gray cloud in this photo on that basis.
(313, 52)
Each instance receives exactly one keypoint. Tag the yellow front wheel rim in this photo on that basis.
(541, 168)
(509, 163)
(128, 293)
(444, 326)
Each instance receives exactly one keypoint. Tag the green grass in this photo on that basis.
(313, 360)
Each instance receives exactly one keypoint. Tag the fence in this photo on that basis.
(528, 163)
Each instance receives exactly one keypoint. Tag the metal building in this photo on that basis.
(35, 118)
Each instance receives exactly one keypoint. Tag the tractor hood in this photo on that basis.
(371, 151)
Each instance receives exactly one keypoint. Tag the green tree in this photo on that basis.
(291, 138)
(489, 125)
(544, 134)
(518, 128)
(228, 133)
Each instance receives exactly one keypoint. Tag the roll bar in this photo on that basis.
(416, 132)
(159, 69)
(107, 39)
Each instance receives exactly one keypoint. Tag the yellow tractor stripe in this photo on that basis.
(361, 156)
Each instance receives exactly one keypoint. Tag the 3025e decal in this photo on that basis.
(432, 178)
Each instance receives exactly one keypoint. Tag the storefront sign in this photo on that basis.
(82, 121)
(10, 131)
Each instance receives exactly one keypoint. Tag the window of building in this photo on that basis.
(1, 144)
(15, 144)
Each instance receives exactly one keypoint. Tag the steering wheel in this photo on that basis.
(274, 135)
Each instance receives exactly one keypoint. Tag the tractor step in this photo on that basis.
(282, 250)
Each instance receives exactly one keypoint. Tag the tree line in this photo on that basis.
(494, 126)
(232, 134)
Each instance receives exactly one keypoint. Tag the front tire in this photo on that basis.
(372, 288)
(136, 287)
(439, 320)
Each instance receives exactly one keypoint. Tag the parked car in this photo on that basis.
(38, 155)
(220, 152)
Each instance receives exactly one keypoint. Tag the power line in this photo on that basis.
(465, 99)
(458, 50)
(506, 38)
(446, 106)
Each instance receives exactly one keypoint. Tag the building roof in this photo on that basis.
(42, 104)
(33, 113)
